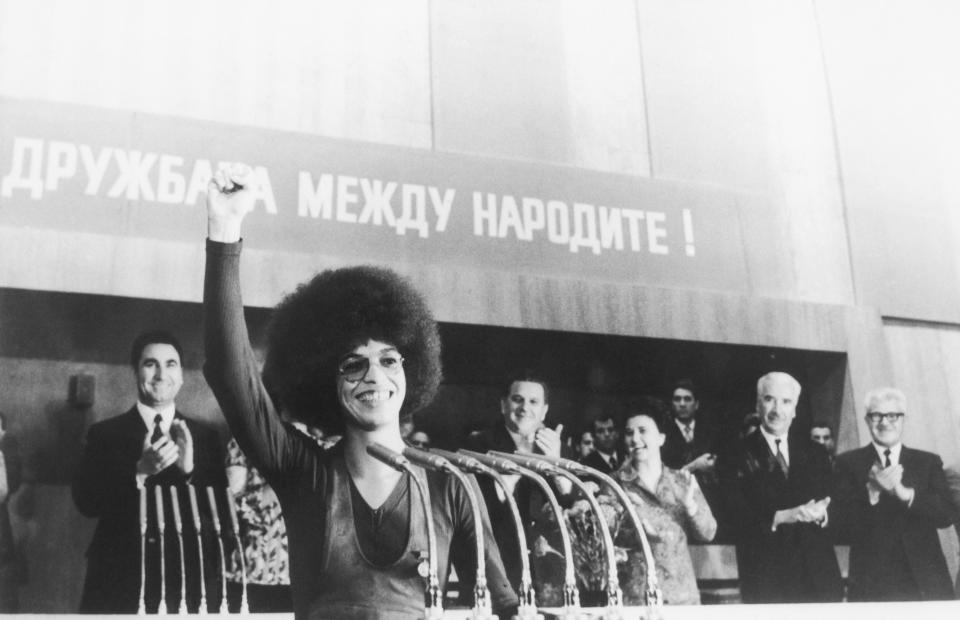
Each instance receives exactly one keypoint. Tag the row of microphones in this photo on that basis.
(174, 499)
(535, 468)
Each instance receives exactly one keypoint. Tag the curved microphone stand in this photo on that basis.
(396, 460)
(614, 593)
(571, 595)
(158, 497)
(195, 515)
(482, 606)
(232, 509)
(215, 517)
(142, 608)
(178, 525)
(653, 595)
(528, 605)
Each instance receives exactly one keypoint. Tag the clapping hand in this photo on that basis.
(690, 493)
(886, 479)
(890, 480)
(184, 442)
(548, 440)
(158, 456)
(704, 462)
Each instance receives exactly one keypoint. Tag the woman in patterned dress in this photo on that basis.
(263, 536)
(671, 507)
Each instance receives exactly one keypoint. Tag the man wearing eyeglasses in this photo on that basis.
(890, 501)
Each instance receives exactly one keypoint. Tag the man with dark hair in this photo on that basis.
(777, 485)
(607, 455)
(890, 500)
(521, 429)
(821, 433)
(692, 443)
(692, 436)
(151, 446)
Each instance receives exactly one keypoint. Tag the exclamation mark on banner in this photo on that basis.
(688, 232)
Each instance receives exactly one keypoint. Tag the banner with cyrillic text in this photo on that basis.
(71, 168)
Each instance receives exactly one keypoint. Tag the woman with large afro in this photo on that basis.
(353, 351)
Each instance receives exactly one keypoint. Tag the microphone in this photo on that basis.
(434, 609)
(653, 596)
(161, 527)
(212, 500)
(571, 595)
(178, 525)
(482, 606)
(232, 509)
(195, 514)
(614, 594)
(142, 490)
(528, 605)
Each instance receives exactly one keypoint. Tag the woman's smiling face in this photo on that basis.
(371, 385)
(643, 439)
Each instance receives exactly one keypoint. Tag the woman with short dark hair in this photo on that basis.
(352, 351)
(671, 507)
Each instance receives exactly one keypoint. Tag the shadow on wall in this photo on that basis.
(53, 539)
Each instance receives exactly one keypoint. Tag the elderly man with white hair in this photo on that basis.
(778, 486)
(891, 499)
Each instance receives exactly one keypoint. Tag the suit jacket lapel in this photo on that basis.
(134, 422)
(910, 467)
(760, 450)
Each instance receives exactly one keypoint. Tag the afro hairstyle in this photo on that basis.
(327, 317)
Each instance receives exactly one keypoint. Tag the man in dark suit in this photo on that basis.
(606, 456)
(890, 500)
(521, 429)
(150, 446)
(692, 438)
(822, 433)
(692, 443)
(777, 486)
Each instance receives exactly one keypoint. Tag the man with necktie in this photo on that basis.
(777, 485)
(692, 437)
(521, 428)
(692, 442)
(891, 500)
(152, 445)
(606, 456)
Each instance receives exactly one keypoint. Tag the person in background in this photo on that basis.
(778, 488)
(692, 437)
(890, 501)
(153, 445)
(263, 539)
(750, 424)
(821, 433)
(419, 439)
(693, 442)
(671, 508)
(353, 351)
(952, 474)
(10, 478)
(585, 445)
(607, 455)
(521, 428)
